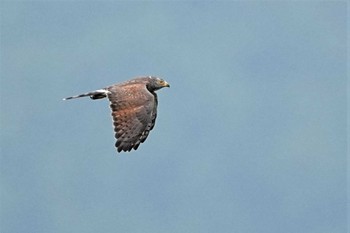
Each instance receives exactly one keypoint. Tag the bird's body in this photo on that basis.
(134, 109)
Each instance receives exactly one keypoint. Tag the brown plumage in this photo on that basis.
(134, 109)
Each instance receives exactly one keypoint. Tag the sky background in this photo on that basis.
(250, 138)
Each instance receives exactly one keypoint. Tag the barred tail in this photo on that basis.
(98, 94)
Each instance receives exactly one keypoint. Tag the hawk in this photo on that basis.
(134, 109)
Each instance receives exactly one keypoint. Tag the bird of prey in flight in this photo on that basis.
(134, 109)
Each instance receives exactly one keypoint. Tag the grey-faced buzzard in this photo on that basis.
(134, 109)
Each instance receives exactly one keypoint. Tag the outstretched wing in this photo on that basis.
(134, 111)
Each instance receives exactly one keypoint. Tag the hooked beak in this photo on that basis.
(166, 84)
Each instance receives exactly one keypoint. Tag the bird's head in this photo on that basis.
(156, 83)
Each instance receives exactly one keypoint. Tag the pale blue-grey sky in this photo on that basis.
(251, 136)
